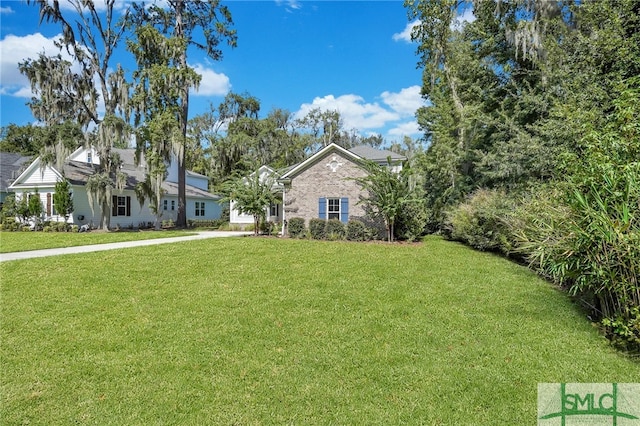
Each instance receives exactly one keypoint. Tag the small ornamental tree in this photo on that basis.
(252, 196)
(62, 199)
(388, 193)
(35, 208)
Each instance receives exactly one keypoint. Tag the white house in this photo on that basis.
(126, 210)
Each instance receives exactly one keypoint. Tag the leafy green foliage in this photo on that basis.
(296, 227)
(357, 231)
(388, 193)
(480, 221)
(335, 230)
(318, 228)
(252, 195)
(62, 199)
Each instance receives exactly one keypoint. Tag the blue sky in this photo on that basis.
(350, 56)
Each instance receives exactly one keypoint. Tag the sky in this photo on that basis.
(355, 57)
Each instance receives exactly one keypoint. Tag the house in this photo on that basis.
(126, 211)
(11, 165)
(323, 186)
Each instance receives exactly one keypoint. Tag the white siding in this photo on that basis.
(198, 182)
(82, 155)
(39, 177)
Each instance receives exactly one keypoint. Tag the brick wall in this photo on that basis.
(323, 179)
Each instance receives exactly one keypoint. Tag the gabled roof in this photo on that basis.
(78, 172)
(11, 166)
(317, 156)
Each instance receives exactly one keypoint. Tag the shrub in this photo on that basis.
(412, 221)
(10, 224)
(206, 223)
(268, 227)
(481, 221)
(334, 230)
(357, 231)
(317, 229)
(296, 227)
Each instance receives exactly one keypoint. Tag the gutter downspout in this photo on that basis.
(284, 219)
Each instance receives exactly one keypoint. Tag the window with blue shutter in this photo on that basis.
(344, 209)
(322, 208)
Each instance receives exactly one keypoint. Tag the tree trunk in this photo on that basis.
(184, 116)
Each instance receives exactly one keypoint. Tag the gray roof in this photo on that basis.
(11, 165)
(77, 173)
(378, 155)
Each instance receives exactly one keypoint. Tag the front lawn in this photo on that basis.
(270, 331)
(24, 241)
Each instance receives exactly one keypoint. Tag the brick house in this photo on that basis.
(323, 185)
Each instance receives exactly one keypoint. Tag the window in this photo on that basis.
(165, 203)
(51, 207)
(273, 210)
(334, 208)
(173, 205)
(199, 208)
(121, 206)
(89, 157)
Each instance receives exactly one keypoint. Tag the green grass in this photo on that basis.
(25, 241)
(269, 331)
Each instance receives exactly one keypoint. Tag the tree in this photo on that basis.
(156, 109)
(63, 94)
(63, 199)
(180, 21)
(388, 193)
(252, 195)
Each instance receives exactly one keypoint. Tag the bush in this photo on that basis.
(357, 231)
(334, 230)
(317, 229)
(481, 221)
(10, 224)
(206, 223)
(411, 223)
(268, 227)
(296, 227)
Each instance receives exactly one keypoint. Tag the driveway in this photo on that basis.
(112, 246)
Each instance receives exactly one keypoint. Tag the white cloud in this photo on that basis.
(393, 118)
(405, 102)
(17, 49)
(355, 112)
(4, 10)
(405, 35)
(212, 83)
(289, 4)
(409, 128)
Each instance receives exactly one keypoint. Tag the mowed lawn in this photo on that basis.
(253, 331)
(24, 241)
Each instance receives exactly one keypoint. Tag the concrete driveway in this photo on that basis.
(112, 246)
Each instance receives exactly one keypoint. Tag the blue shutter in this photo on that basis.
(344, 210)
(322, 208)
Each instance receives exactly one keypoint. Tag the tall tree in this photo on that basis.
(182, 20)
(90, 35)
(156, 107)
